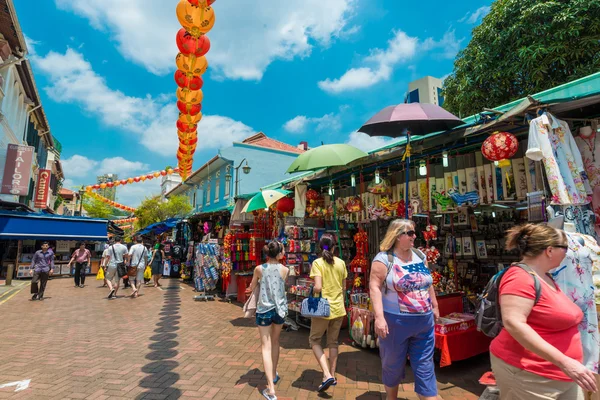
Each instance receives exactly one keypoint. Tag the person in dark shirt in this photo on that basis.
(42, 266)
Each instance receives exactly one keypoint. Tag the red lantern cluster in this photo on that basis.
(197, 18)
(500, 146)
(124, 221)
(131, 180)
(110, 202)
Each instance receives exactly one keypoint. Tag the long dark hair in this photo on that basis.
(326, 246)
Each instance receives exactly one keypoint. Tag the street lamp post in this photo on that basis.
(81, 193)
(246, 169)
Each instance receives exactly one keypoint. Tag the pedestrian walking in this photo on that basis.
(104, 263)
(329, 274)
(538, 354)
(137, 260)
(405, 307)
(42, 266)
(148, 271)
(271, 310)
(117, 257)
(158, 256)
(82, 257)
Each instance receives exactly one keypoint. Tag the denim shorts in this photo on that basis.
(268, 318)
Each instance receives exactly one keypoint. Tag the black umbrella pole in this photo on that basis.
(407, 175)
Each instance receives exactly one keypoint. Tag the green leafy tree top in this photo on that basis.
(154, 209)
(97, 209)
(523, 47)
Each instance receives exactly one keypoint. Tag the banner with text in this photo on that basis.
(42, 189)
(17, 170)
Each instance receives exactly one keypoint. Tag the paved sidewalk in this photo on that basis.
(6, 292)
(76, 344)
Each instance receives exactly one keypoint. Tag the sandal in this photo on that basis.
(268, 395)
(325, 385)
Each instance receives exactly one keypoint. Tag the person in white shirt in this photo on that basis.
(104, 264)
(117, 254)
(138, 256)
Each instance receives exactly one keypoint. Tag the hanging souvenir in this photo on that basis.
(500, 146)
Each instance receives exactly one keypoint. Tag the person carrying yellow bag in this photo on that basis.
(100, 274)
(147, 274)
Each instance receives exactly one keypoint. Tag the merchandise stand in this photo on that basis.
(206, 271)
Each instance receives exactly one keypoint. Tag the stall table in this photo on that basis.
(460, 345)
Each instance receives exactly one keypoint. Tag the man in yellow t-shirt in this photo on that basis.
(330, 275)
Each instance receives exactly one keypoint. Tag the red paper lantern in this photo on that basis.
(149, 176)
(187, 128)
(286, 205)
(110, 184)
(136, 179)
(500, 146)
(188, 44)
(312, 194)
(186, 81)
(163, 172)
(191, 109)
(124, 182)
(96, 186)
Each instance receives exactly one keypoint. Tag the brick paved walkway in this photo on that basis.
(163, 345)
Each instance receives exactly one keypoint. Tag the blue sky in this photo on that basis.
(296, 70)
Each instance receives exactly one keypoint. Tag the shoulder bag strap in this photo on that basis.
(419, 254)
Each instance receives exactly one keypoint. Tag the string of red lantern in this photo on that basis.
(197, 18)
(110, 202)
(131, 180)
(124, 221)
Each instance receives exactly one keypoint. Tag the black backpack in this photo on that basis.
(487, 316)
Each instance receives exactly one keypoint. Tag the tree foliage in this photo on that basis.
(154, 210)
(97, 209)
(523, 47)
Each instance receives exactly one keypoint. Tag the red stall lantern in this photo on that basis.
(500, 146)
(191, 109)
(189, 45)
(286, 205)
(188, 81)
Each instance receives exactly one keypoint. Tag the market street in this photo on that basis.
(76, 344)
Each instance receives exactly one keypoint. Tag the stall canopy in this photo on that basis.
(159, 227)
(26, 225)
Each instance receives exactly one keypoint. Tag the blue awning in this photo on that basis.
(24, 225)
(159, 227)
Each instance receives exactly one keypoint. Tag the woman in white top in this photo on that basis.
(271, 310)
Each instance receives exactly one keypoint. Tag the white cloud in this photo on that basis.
(400, 48)
(78, 166)
(244, 40)
(380, 63)
(132, 195)
(121, 166)
(448, 44)
(30, 43)
(366, 142)
(299, 123)
(475, 16)
(82, 171)
(152, 119)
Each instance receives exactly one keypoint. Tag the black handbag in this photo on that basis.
(121, 268)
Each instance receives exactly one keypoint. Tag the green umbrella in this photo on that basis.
(265, 199)
(329, 155)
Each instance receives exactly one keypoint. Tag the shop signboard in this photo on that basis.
(42, 189)
(17, 170)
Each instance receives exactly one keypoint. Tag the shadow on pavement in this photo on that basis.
(241, 321)
(161, 377)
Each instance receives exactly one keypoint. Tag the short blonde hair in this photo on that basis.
(396, 227)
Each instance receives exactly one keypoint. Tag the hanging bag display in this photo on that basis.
(315, 306)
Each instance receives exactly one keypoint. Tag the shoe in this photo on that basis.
(111, 295)
(325, 385)
(34, 297)
(268, 395)
(82, 285)
(334, 382)
(277, 379)
(41, 297)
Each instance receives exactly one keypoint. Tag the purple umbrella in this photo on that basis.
(410, 119)
(417, 118)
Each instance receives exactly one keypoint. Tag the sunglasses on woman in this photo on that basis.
(408, 233)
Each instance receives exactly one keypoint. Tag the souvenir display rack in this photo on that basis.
(207, 265)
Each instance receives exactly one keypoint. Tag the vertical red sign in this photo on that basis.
(17, 170)
(42, 189)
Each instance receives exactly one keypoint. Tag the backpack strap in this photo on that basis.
(390, 265)
(419, 254)
(536, 281)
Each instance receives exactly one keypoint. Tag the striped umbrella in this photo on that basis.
(265, 199)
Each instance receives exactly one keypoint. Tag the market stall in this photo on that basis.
(464, 188)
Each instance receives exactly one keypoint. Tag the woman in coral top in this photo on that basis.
(538, 354)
